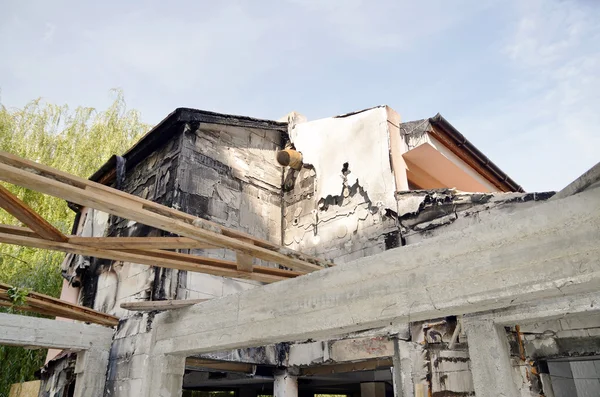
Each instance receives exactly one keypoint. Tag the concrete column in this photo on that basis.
(164, 377)
(90, 368)
(397, 370)
(372, 389)
(490, 359)
(286, 385)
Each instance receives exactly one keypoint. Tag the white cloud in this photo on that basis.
(547, 130)
(49, 34)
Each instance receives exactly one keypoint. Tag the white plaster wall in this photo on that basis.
(361, 140)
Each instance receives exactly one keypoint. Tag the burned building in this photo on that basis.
(354, 191)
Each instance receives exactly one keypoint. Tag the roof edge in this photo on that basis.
(502, 179)
(158, 136)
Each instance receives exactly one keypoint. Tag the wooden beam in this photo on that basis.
(17, 330)
(244, 261)
(173, 260)
(81, 191)
(49, 305)
(221, 366)
(150, 306)
(6, 302)
(133, 243)
(17, 230)
(17, 208)
(119, 243)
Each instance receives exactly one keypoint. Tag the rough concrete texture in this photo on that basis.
(428, 213)
(490, 359)
(466, 252)
(551, 248)
(341, 228)
(36, 332)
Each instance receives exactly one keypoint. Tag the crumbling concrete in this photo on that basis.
(409, 264)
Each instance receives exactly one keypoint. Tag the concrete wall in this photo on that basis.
(558, 347)
(229, 175)
(575, 378)
(107, 284)
(340, 206)
(225, 174)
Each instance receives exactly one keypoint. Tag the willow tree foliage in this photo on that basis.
(77, 141)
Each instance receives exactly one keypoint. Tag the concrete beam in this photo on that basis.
(588, 180)
(547, 309)
(17, 330)
(339, 351)
(545, 251)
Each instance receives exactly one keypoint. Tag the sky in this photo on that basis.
(519, 78)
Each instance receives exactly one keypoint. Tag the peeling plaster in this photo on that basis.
(362, 141)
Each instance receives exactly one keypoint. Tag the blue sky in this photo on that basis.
(519, 78)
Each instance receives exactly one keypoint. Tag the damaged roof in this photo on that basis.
(164, 130)
(442, 130)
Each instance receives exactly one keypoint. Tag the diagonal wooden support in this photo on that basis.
(29, 217)
(83, 192)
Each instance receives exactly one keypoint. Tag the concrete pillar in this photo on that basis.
(490, 359)
(90, 369)
(372, 389)
(164, 377)
(398, 382)
(285, 385)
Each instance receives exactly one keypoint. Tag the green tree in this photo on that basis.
(76, 141)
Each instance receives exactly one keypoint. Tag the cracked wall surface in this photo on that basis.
(340, 206)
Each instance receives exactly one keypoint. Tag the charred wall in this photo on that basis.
(338, 227)
(106, 284)
(229, 175)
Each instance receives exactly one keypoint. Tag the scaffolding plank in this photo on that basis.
(149, 306)
(132, 243)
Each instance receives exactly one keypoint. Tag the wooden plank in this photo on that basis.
(17, 230)
(120, 243)
(58, 307)
(132, 243)
(261, 249)
(6, 302)
(198, 363)
(244, 261)
(263, 270)
(217, 267)
(149, 306)
(17, 208)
